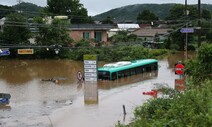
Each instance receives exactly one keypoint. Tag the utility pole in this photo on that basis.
(199, 23)
(19, 4)
(185, 7)
(186, 41)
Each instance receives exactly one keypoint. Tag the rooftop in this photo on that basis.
(92, 26)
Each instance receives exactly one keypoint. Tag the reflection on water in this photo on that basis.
(180, 84)
(106, 84)
(23, 71)
(5, 107)
(174, 58)
(91, 93)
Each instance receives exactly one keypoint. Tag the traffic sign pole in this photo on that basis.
(186, 31)
(179, 68)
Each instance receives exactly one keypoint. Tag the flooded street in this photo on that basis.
(36, 101)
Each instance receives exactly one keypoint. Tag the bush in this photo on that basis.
(118, 53)
(192, 108)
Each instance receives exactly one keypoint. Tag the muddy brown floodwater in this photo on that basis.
(36, 101)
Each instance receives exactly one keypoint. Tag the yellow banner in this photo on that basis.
(25, 51)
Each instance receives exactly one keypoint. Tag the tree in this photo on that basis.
(146, 16)
(5, 10)
(200, 68)
(206, 14)
(209, 37)
(176, 12)
(121, 36)
(108, 20)
(124, 36)
(72, 8)
(52, 34)
(16, 30)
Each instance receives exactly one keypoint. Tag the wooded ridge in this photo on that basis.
(131, 12)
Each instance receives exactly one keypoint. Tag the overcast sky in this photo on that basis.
(99, 6)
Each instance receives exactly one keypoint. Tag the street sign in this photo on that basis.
(88, 62)
(4, 52)
(179, 69)
(79, 76)
(25, 51)
(91, 75)
(187, 30)
(90, 67)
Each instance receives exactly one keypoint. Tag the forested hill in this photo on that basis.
(130, 12)
(27, 8)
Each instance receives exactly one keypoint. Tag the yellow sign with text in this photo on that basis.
(25, 51)
(90, 57)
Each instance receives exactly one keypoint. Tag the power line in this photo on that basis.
(45, 14)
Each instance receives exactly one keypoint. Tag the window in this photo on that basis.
(86, 35)
(98, 36)
(114, 75)
(103, 75)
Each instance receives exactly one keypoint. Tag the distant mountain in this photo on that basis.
(130, 12)
(28, 8)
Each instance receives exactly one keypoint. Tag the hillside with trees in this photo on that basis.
(29, 8)
(131, 12)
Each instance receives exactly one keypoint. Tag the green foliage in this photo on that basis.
(158, 52)
(131, 12)
(193, 108)
(206, 14)
(209, 37)
(132, 38)
(200, 69)
(52, 34)
(118, 53)
(16, 30)
(177, 41)
(5, 10)
(72, 8)
(83, 44)
(123, 36)
(108, 20)
(146, 16)
(163, 11)
(178, 12)
(190, 108)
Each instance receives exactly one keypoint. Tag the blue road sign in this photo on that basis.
(4, 52)
(187, 30)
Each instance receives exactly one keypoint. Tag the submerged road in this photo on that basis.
(38, 104)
